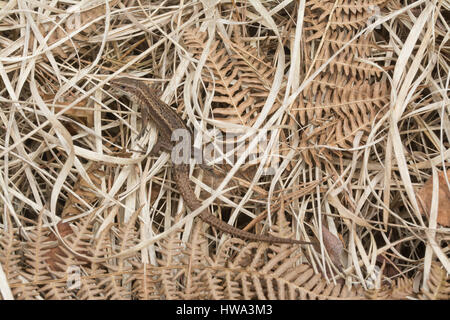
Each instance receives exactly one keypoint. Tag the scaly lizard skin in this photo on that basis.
(166, 121)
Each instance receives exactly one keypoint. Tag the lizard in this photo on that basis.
(166, 121)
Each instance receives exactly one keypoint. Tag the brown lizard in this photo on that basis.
(166, 121)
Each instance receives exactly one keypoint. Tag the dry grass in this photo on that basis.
(69, 149)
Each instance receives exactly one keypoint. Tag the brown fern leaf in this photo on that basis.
(57, 253)
(232, 101)
(402, 289)
(438, 287)
(438, 284)
(170, 260)
(25, 291)
(145, 282)
(255, 71)
(258, 272)
(128, 236)
(36, 253)
(10, 249)
(37, 271)
(81, 239)
(348, 95)
(84, 194)
(195, 254)
(255, 271)
(101, 248)
(89, 289)
(54, 290)
(115, 283)
(114, 288)
(231, 248)
(161, 281)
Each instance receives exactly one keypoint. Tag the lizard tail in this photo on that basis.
(182, 177)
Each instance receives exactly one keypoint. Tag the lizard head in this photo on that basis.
(124, 86)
